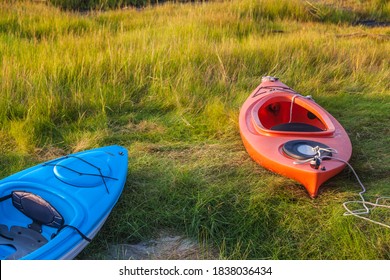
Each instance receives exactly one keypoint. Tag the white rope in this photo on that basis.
(291, 106)
(366, 210)
(319, 156)
(292, 103)
(359, 212)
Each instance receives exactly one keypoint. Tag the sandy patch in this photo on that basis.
(165, 247)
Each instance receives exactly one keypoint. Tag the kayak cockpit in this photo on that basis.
(28, 221)
(285, 113)
(24, 240)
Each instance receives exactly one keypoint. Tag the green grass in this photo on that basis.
(167, 82)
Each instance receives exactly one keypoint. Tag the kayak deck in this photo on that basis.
(292, 135)
(64, 201)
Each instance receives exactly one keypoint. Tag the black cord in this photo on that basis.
(53, 163)
(5, 197)
(76, 229)
(6, 237)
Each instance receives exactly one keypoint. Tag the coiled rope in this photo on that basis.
(358, 212)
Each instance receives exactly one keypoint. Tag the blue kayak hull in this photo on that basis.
(83, 187)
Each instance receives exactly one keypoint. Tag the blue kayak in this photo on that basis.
(53, 210)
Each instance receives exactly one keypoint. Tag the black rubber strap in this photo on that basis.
(5, 197)
(6, 237)
(54, 163)
(76, 229)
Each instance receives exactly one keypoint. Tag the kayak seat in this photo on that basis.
(297, 127)
(38, 209)
(26, 240)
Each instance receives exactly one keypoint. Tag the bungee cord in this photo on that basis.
(101, 175)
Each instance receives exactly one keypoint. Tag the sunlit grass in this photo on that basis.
(167, 82)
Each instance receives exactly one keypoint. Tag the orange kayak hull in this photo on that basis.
(275, 118)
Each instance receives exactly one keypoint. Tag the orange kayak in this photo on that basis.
(292, 135)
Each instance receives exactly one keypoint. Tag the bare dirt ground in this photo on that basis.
(165, 247)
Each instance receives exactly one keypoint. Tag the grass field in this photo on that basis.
(167, 82)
